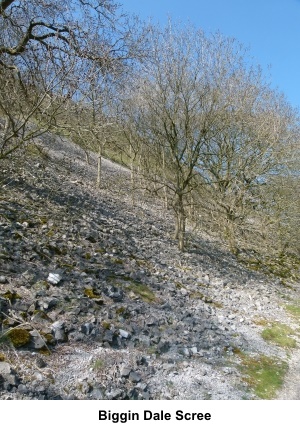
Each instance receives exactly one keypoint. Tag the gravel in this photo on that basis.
(113, 309)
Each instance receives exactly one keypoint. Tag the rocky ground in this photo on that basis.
(96, 301)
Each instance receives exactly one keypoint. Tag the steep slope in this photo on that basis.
(130, 317)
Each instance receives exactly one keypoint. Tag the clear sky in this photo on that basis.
(269, 28)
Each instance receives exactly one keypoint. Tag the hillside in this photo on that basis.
(130, 317)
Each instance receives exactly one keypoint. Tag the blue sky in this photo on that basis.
(269, 28)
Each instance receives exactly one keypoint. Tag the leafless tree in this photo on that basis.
(177, 104)
(44, 47)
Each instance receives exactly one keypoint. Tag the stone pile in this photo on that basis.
(96, 302)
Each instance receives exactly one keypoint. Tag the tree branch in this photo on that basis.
(4, 4)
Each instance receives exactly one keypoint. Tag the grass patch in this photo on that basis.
(98, 364)
(261, 322)
(142, 291)
(264, 374)
(280, 335)
(294, 310)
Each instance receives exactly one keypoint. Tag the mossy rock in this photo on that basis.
(49, 338)
(40, 285)
(117, 261)
(2, 357)
(106, 325)
(44, 351)
(91, 293)
(122, 311)
(12, 296)
(142, 291)
(18, 337)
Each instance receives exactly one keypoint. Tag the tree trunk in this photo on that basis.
(165, 181)
(132, 177)
(99, 167)
(230, 232)
(179, 234)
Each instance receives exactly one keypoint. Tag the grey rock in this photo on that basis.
(54, 278)
(92, 237)
(37, 340)
(87, 328)
(114, 394)
(8, 374)
(3, 305)
(40, 363)
(5, 368)
(125, 371)
(145, 395)
(144, 340)
(116, 294)
(108, 336)
(96, 393)
(134, 376)
(163, 346)
(58, 329)
(124, 334)
(23, 389)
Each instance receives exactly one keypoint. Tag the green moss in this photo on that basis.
(44, 350)
(35, 151)
(41, 285)
(48, 338)
(18, 337)
(294, 310)
(261, 322)
(11, 296)
(24, 315)
(280, 335)
(100, 251)
(142, 291)
(205, 299)
(98, 364)
(51, 232)
(91, 293)
(232, 349)
(2, 357)
(117, 261)
(217, 305)
(122, 311)
(106, 325)
(263, 374)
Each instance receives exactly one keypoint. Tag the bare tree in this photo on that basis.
(251, 135)
(44, 46)
(177, 103)
(56, 26)
(31, 100)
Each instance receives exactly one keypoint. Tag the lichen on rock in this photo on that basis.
(18, 337)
